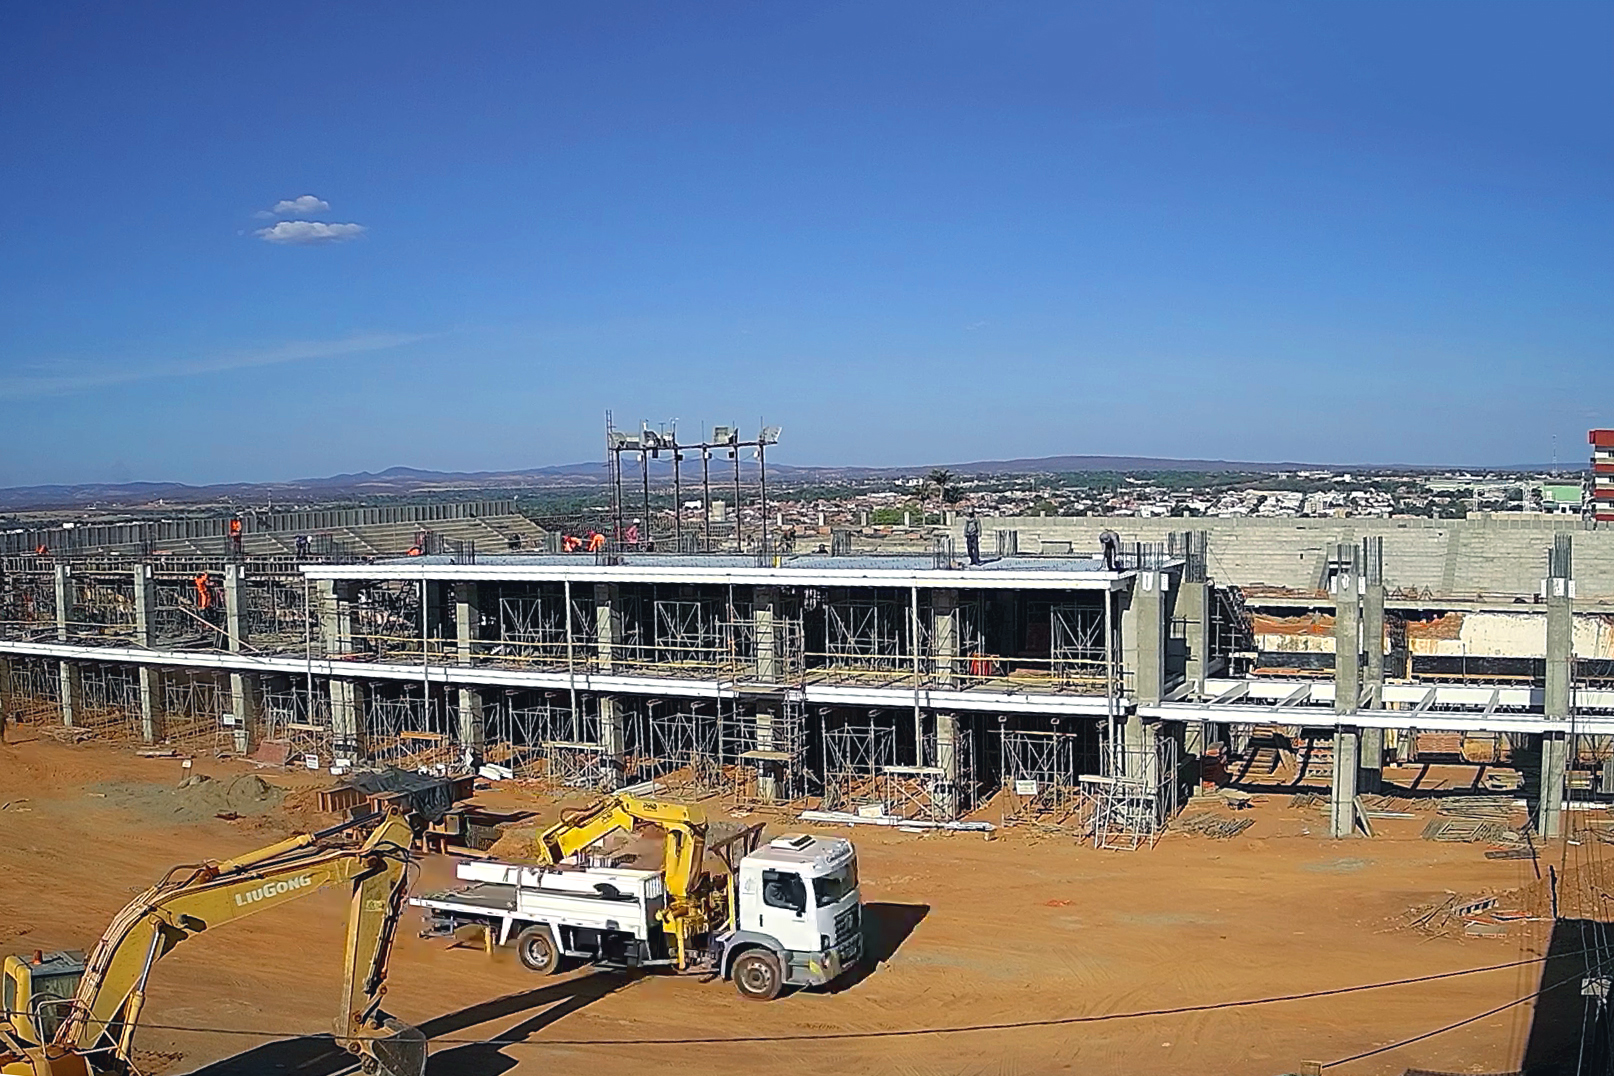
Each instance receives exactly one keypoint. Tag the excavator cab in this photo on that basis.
(37, 992)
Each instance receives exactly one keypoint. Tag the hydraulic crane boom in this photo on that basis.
(96, 1035)
(690, 902)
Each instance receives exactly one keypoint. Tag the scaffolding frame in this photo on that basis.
(683, 750)
(769, 757)
(410, 730)
(1136, 804)
(300, 720)
(1042, 778)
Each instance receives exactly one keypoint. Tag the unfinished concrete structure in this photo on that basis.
(910, 687)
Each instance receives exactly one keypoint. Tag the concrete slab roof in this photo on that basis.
(1008, 573)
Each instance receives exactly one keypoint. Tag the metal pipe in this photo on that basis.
(762, 482)
(644, 471)
(571, 668)
(918, 715)
(706, 497)
(1109, 675)
(739, 538)
(678, 495)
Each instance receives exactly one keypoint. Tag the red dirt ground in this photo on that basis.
(1021, 928)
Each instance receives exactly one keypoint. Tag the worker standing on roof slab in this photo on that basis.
(972, 537)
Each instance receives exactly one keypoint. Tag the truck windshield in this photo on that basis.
(835, 887)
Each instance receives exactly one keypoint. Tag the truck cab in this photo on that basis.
(798, 916)
(36, 993)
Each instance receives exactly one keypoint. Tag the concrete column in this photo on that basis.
(607, 629)
(1342, 796)
(944, 634)
(151, 703)
(7, 693)
(767, 781)
(1143, 635)
(613, 739)
(66, 598)
(467, 620)
(472, 729)
(151, 677)
(764, 609)
(431, 617)
(1554, 772)
(1141, 757)
(1370, 777)
(235, 606)
(1193, 605)
(1347, 632)
(246, 701)
(347, 718)
(947, 760)
(1560, 589)
(72, 691)
(336, 617)
(1373, 619)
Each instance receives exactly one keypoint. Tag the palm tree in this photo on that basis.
(941, 479)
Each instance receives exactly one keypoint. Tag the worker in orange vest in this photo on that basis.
(204, 595)
(596, 541)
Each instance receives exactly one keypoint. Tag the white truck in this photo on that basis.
(789, 914)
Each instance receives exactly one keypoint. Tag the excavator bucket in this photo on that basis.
(401, 1052)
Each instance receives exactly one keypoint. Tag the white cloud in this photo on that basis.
(60, 378)
(300, 205)
(307, 232)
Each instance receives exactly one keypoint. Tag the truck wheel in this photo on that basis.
(757, 975)
(537, 951)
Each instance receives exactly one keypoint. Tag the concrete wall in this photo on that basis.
(1475, 635)
(1457, 558)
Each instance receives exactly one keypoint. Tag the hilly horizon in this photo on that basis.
(401, 480)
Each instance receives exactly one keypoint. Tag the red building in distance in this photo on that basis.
(1602, 442)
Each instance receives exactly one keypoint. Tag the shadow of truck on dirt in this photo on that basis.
(318, 1055)
(885, 927)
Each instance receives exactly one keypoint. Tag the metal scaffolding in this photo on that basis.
(1041, 778)
(683, 750)
(299, 720)
(1135, 805)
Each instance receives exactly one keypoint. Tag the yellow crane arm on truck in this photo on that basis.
(96, 1033)
(690, 902)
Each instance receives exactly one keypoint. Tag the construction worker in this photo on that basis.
(1110, 542)
(40, 550)
(570, 543)
(414, 551)
(204, 593)
(596, 541)
(235, 536)
(302, 547)
(972, 537)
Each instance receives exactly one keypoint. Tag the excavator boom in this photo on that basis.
(97, 1034)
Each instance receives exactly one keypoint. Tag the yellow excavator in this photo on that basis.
(693, 903)
(64, 1015)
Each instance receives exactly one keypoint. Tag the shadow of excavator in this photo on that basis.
(318, 1055)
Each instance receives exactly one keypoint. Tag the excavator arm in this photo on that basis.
(98, 1031)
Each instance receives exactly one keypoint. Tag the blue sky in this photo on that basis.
(908, 233)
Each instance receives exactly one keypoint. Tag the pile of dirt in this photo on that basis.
(196, 799)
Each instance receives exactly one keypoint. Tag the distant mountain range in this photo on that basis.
(396, 481)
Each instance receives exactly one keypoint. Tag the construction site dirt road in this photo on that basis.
(1028, 930)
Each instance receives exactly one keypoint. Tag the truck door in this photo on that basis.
(786, 897)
